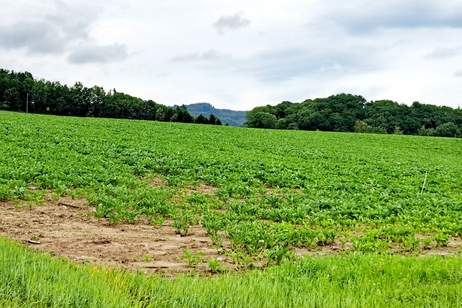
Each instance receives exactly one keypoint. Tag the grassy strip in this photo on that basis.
(29, 279)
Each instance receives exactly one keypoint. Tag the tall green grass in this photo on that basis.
(30, 279)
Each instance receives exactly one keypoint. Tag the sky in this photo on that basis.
(241, 54)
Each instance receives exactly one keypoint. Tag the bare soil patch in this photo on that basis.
(454, 247)
(188, 191)
(158, 181)
(203, 188)
(67, 227)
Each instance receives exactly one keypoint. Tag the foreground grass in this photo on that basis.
(29, 279)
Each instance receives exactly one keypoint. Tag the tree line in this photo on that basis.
(352, 113)
(19, 91)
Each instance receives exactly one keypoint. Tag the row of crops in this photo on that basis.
(267, 193)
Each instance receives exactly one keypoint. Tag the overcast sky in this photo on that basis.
(239, 54)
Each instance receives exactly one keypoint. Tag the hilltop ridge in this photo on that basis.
(227, 116)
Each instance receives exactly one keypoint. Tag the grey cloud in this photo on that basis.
(49, 32)
(458, 73)
(58, 31)
(444, 53)
(198, 56)
(35, 37)
(284, 65)
(75, 20)
(231, 22)
(98, 54)
(397, 14)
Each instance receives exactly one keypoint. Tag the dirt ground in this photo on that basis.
(66, 227)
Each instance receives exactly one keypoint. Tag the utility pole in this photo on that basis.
(27, 103)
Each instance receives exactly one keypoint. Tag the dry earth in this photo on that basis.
(67, 227)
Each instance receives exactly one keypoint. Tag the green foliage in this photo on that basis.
(28, 279)
(361, 127)
(200, 119)
(251, 192)
(444, 130)
(448, 130)
(214, 120)
(215, 266)
(349, 113)
(182, 222)
(261, 120)
(193, 259)
(277, 254)
(21, 92)
(442, 240)
(265, 194)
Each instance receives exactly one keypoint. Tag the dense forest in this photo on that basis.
(21, 92)
(344, 112)
(350, 113)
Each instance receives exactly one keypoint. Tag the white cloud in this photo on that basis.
(173, 52)
(445, 53)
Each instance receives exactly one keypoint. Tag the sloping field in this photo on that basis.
(171, 198)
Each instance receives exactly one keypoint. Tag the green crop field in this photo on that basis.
(366, 211)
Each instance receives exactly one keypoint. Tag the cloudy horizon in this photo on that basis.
(238, 55)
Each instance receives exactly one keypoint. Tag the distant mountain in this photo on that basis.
(230, 117)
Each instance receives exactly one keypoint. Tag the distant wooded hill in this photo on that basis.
(22, 92)
(230, 117)
(353, 113)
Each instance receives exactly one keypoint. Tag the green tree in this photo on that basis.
(361, 127)
(201, 120)
(212, 119)
(261, 120)
(447, 130)
(78, 100)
